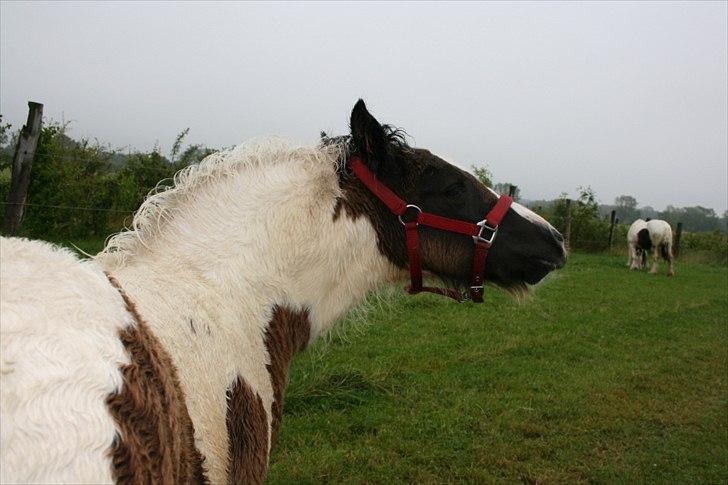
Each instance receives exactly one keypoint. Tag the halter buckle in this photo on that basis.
(410, 206)
(466, 295)
(483, 226)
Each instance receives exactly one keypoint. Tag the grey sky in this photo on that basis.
(627, 98)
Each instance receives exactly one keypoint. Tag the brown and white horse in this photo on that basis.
(164, 359)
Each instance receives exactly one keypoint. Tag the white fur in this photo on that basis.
(245, 231)
(526, 213)
(635, 259)
(60, 358)
(660, 234)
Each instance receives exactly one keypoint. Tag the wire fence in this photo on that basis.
(68, 207)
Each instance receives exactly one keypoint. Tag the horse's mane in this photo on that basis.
(158, 207)
(396, 138)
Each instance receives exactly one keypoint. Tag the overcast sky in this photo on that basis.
(630, 98)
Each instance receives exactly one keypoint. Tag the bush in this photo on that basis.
(84, 190)
(589, 232)
(68, 184)
(704, 247)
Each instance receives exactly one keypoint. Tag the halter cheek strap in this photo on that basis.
(483, 232)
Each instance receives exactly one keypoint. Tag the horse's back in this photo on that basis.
(660, 231)
(60, 355)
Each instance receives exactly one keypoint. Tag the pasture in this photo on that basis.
(603, 375)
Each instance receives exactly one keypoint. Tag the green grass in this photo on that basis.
(604, 376)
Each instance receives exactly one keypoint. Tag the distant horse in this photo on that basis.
(653, 236)
(164, 359)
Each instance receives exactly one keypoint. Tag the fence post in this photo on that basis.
(678, 235)
(612, 218)
(567, 225)
(22, 163)
(511, 190)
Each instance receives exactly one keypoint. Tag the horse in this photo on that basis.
(164, 358)
(655, 236)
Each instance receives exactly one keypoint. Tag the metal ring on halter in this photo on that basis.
(483, 226)
(410, 206)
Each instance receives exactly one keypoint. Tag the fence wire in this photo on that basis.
(69, 207)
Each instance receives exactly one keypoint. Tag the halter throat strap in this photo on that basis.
(483, 232)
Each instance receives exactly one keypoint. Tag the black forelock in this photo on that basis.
(396, 137)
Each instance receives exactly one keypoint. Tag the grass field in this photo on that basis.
(603, 376)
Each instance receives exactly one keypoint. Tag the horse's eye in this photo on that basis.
(455, 189)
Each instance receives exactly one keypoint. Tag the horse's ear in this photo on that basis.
(369, 138)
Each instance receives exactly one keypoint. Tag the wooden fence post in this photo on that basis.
(612, 218)
(678, 235)
(22, 163)
(567, 225)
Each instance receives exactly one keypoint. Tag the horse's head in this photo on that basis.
(526, 248)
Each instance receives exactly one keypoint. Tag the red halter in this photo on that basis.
(399, 207)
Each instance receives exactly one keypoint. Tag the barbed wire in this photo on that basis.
(100, 156)
(105, 158)
(70, 207)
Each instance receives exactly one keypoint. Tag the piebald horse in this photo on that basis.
(651, 236)
(164, 358)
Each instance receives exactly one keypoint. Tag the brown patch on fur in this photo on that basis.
(644, 241)
(247, 427)
(156, 442)
(287, 333)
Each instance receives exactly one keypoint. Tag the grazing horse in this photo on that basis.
(652, 236)
(164, 359)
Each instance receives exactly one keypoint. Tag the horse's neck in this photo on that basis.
(229, 260)
(262, 238)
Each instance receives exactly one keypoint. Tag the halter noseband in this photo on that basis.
(483, 232)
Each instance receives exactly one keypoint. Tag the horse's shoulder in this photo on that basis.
(635, 228)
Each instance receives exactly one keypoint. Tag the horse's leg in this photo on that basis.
(634, 257)
(667, 254)
(655, 253)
